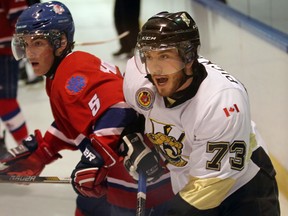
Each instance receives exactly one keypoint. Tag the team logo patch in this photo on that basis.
(58, 9)
(145, 98)
(75, 84)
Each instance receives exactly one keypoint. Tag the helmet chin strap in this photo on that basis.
(149, 77)
(50, 74)
(185, 77)
(57, 60)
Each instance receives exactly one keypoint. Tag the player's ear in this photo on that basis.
(63, 45)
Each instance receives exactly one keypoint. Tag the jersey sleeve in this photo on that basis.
(15, 8)
(133, 78)
(128, 80)
(221, 150)
(110, 127)
(57, 140)
(83, 89)
(9, 13)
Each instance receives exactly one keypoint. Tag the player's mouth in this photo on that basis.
(34, 64)
(37, 68)
(161, 81)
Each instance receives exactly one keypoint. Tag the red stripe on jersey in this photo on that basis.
(236, 107)
(226, 112)
(156, 195)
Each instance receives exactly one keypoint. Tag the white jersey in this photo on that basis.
(207, 140)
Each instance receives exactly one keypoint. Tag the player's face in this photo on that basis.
(39, 53)
(163, 61)
(167, 70)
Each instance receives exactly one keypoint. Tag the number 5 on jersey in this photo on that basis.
(94, 104)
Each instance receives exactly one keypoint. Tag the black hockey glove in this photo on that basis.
(140, 157)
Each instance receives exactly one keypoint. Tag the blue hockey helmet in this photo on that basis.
(50, 19)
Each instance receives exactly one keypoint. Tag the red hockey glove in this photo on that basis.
(89, 176)
(141, 157)
(35, 163)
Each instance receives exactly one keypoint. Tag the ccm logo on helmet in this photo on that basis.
(89, 155)
(148, 38)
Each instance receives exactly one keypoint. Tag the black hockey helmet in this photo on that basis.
(165, 30)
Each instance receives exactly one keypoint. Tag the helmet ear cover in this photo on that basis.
(188, 51)
(54, 37)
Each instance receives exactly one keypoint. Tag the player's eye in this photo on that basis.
(164, 56)
(38, 43)
(148, 56)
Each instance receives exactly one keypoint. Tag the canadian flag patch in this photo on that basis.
(231, 110)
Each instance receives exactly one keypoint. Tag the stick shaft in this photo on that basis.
(34, 179)
(141, 195)
(124, 34)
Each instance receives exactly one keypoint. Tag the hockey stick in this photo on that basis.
(34, 179)
(141, 195)
(124, 34)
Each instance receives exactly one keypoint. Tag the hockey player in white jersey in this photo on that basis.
(198, 119)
